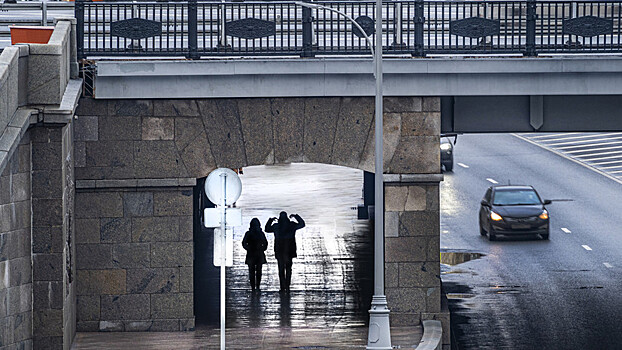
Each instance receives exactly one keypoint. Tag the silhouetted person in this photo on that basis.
(255, 244)
(285, 244)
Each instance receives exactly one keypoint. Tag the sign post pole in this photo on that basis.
(223, 187)
(223, 258)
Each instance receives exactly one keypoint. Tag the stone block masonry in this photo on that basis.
(15, 264)
(137, 160)
(134, 246)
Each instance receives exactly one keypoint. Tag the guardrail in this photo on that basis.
(416, 27)
(31, 13)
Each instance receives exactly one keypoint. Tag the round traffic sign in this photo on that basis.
(214, 187)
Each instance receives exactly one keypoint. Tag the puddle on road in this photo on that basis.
(460, 295)
(455, 258)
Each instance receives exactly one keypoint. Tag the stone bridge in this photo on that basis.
(97, 193)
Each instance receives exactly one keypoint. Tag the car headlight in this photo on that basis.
(544, 215)
(495, 217)
(445, 146)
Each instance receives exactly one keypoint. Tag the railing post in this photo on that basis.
(79, 13)
(192, 30)
(307, 33)
(531, 28)
(44, 13)
(398, 42)
(419, 20)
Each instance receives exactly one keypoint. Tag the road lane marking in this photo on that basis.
(463, 165)
(611, 167)
(586, 142)
(608, 265)
(566, 230)
(491, 180)
(610, 162)
(553, 135)
(593, 149)
(586, 247)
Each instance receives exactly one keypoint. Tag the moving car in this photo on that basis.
(513, 210)
(447, 153)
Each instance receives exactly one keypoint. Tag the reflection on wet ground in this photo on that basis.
(455, 258)
(332, 276)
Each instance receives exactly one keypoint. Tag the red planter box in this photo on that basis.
(30, 34)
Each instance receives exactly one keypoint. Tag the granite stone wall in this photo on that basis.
(15, 264)
(53, 251)
(136, 161)
(134, 258)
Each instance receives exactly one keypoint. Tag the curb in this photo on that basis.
(432, 335)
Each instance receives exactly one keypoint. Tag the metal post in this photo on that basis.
(223, 259)
(398, 43)
(419, 20)
(192, 30)
(222, 43)
(307, 35)
(379, 336)
(531, 28)
(79, 14)
(44, 13)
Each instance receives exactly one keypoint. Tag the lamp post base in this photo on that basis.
(379, 336)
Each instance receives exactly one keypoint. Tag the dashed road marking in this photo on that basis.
(491, 180)
(463, 165)
(586, 247)
(566, 230)
(607, 265)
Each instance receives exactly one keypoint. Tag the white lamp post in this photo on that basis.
(379, 336)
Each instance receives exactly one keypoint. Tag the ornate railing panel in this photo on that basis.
(207, 28)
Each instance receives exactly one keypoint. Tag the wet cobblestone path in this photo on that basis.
(331, 278)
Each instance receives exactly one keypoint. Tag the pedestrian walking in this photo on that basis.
(255, 244)
(285, 244)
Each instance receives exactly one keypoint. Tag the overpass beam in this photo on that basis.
(536, 111)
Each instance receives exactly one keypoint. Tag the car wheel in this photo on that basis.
(481, 230)
(449, 166)
(545, 237)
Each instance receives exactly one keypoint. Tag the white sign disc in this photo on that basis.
(214, 188)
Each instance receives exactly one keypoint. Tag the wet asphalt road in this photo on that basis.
(526, 293)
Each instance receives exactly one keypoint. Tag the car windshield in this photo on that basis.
(516, 197)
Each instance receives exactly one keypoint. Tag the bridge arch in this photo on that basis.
(137, 162)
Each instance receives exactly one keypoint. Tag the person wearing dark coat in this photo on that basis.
(255, 244)
(285, 244)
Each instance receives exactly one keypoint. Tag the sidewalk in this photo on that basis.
(246, 338)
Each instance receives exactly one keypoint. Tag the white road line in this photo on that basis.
(577, 137)
(586, 247)
(463, 165)
(587, 156)
(617, 155)
(588, 145)
(491, 180)
(552, 135)
(566, 230)
(607, 265)
(606, 163)
(593, 149)
(615, 172)
(583, 141)
(609, 167)
(581, 162)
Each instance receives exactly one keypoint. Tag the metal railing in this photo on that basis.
(32, 13)
(194, 29)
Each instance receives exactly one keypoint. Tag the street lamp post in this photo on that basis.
(379, 336)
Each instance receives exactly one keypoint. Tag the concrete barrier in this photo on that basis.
(432, 335)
